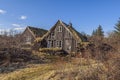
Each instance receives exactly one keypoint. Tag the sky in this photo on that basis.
(85, 15)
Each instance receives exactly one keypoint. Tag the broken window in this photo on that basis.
(59, 44)
(50, 43)
(52, 35)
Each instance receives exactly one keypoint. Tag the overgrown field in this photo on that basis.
(59, 71)
(98, 61)
(75, 69)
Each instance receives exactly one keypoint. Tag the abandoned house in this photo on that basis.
(62, 36)
(30, 34)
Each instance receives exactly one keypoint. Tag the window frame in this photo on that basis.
(52, 35)
(59, 28)
(59, 43)
(28, 40)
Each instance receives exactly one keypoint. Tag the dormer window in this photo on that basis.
(60, 29)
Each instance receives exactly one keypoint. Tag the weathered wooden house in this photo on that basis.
(30, 34)
(62, 36)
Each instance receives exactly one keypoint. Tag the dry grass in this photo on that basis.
(60, 70)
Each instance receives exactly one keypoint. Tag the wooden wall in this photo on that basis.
(61, 35)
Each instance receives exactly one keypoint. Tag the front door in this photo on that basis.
(68, 45)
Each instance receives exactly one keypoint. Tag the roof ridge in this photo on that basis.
(37, 31)
(34, 27)
(63, 23)
(78, 34)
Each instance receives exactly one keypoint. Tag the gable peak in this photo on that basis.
(59, 21)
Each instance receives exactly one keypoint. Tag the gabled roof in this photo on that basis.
(75, 33)
(38, 32)
(78, 35)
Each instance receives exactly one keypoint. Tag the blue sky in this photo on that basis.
(85, 15)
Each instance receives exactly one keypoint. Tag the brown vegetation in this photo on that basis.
(99, 60)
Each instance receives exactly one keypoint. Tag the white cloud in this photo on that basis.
(23, 17)
(2, 11)
(1, 30)
(16, 25)
(5, 30)
(18, 29)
